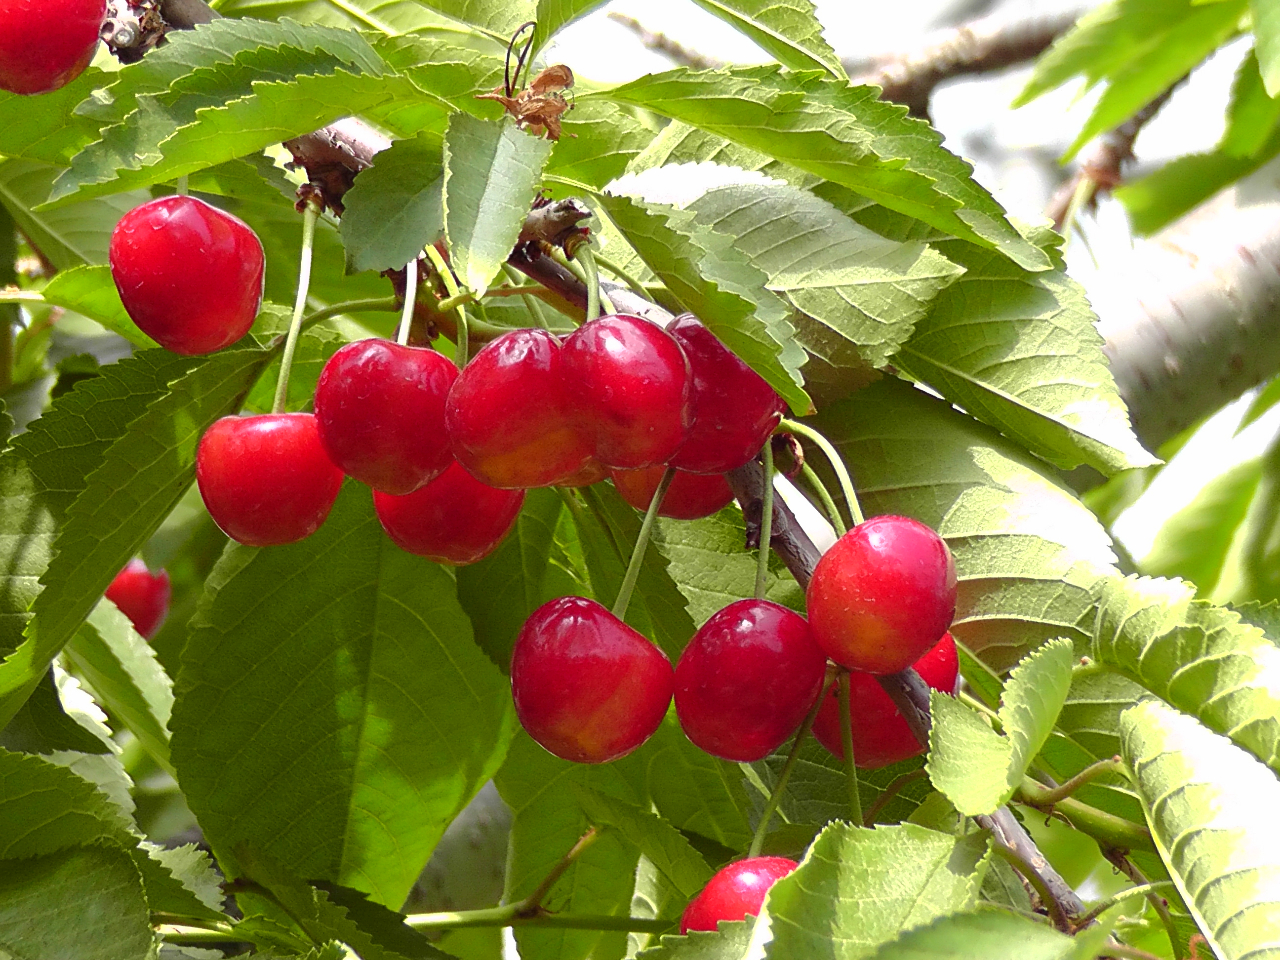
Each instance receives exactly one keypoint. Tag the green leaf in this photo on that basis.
(554, 15)
(373, 16)
(183, 881)
(142, 476)
(1019, 351)
(90, 291)
(44, 807)
(1252, 114)
(45, 725)
(451, 67)
(712, 279)
(1254, 570)
(1139, 47)
(992, 935)
(1194, 542)
(498, 18)
(789, 30)
(1209, 805)
(70, 236)
(492, 171)
(1200, 658)
(869, 290)
(859, 888)
(124, 673)
(1027, 552)
(599, 140)
(384, 927)
(657, 839)
(843, 134)
(394, 209)
(729, 942)
(1266, 31)
(355, 691)
(547, 823)
(79, 902)
(52, 132)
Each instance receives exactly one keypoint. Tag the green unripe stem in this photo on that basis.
(622, 275)
(642, 541)
(828, 502)
(766, 521)
(588, 259)
(833, 457)
(410, 300)
(846, 741)
(1148, 890)
(1052, 795)
(1106, 828)
(775, 798)
(21, 296)
(463, 341)
(372, 305)
(310, 214)
(180, 186)
(530, 303)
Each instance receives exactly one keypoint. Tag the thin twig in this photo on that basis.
(674, 51)
(1033, 877)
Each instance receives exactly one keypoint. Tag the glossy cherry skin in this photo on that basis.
(45, 44)
(746, 680)
(141, 595)
(190, 275)
(630, 382)
(454, 519)
(380, 410)
(734, 893)
(880, 733)
(690, 496)
(593, 471)
(509, 417)
(586, 686)
(734, 410)
(882, 595)
(266, 480)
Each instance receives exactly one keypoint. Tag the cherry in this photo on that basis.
(630, 381)
(380, 410)
(747, 679)
(190, 275)
(266, 480)
(882, 595)
(141, 595)
(509, 417)
(734, 410)
(586, 686)
(880, 733)
(454, 519)
(593, 471)
(735, 892)
(690, 496)
(45, 44)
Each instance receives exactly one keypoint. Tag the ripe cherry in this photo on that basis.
(45, 44)
(690, 496)
(630, 382)
(141, 595)
(882, 595)
(593, 471)
(735, 892)
(747, 679)
(190, 275)
(266, 480)
(586, 686)
(880, 733)
(509, 417)
(380, 410)
(454, 519)
(734, 409)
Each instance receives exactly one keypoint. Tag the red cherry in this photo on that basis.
(45, 44)
(735, 892)
(141, 595)
(586, 686)
(454, 519)
(690, 496)
(593, 471)
(734, 409)
(880, 734)
(266, 480)
(380, 410)
(509, 418)
(630, 382)
(190, 275)
(883, 595)
(747, 679)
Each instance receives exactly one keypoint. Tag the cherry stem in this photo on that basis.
(372, 305)
(310, 214)
(642, 542)
(1147, 890)
(180, 186)
(1052, 795)
(588, 260)
(530, 302)
(846, 741)
(889, 792)
(766, 521)
(530, 905)
(636, 286)
(828, 502)
(410, 300)
(775, 797)
(463, 341)
(833, 457)
(1032, 876)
